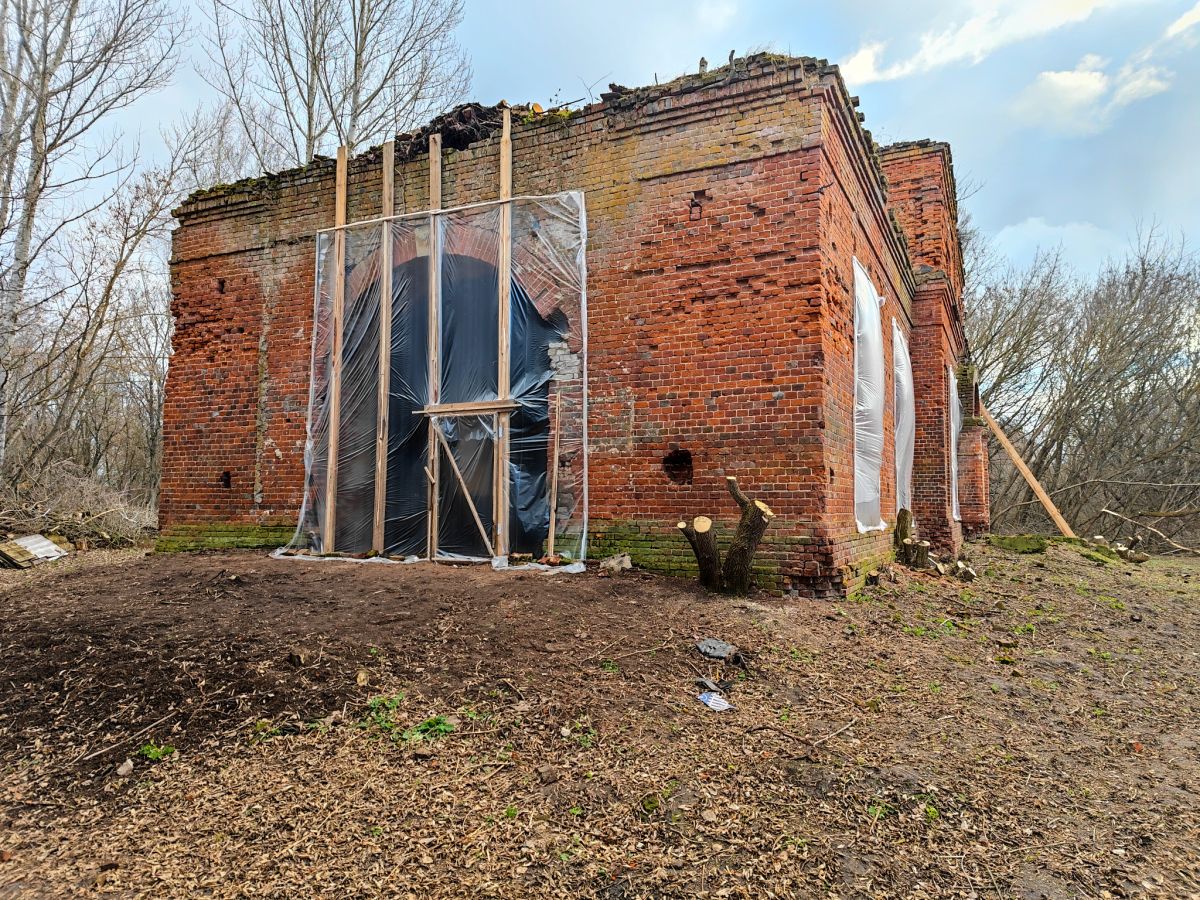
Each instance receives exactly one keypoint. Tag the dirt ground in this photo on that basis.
(364, 730)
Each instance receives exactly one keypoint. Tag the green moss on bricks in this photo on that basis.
(222, 536)
(1020, 543)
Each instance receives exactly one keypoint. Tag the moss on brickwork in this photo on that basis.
(856, 573)
(222, 536)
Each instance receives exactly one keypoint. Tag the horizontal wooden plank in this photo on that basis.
(479, 407)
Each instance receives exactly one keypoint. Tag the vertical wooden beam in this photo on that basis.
(435, 337)
(335, 357)
(500, 479)
(554, 468)
(1030, 479)
(387, 197)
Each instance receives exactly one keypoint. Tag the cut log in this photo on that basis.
(914, 554)
(756, 516)
(703, 538)
(903, 530)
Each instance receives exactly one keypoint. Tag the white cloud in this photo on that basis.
(1083, 245)
(1085, 99)
(715, 15)
(1184, 24)
(991, 26)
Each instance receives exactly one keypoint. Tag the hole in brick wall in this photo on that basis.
(220, 285)
(226, 480)
(678, 466)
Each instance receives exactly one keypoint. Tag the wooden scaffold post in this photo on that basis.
(387, 194)
(500, 478)
(435, 336)
(329, 525)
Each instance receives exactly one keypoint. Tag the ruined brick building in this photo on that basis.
(727, 217)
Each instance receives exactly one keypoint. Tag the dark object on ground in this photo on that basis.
(717, 649)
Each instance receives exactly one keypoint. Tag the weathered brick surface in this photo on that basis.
(921, 195)
(723, 218)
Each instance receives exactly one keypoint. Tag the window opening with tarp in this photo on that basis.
(868, 401)
(477, 447)
(905, 417)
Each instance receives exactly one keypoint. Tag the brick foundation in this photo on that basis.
(724, 213)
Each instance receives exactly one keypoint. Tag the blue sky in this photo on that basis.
(1076, 120)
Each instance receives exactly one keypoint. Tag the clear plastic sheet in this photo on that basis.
(869, 382)
(956, 423)
(905, 417)
(449, 418)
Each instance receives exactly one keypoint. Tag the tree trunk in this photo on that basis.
(703, 538)
(903, 528)
(756, 516)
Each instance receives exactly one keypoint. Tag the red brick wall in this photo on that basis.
(723, 219)
(856, 225)
(921, 194)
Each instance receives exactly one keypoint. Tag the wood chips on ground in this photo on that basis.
(349, 730)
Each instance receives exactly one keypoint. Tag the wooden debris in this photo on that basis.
(14, 556)
(1152, 529)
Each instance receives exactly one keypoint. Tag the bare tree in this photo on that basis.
(1098, 380)
(65, 67)
(305, 75)
(88, 364)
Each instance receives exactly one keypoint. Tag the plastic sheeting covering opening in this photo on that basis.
(905, 416)
(869, 382)
(956, 422)
(450, 425)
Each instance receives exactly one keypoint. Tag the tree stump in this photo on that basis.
(703, 538)
(903, 528)
(756, 516)
(914, 554)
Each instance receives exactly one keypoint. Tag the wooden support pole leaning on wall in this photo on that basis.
(462, 483)
(387, 195)
(435, 335)
(1036, 485)
(500, 479)
(335, 358)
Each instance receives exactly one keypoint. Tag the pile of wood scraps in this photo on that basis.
(30, 550)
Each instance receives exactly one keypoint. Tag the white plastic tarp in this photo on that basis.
(869, 385)
(905, 416)
(443, 385)
(956, 421)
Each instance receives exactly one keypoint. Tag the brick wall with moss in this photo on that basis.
(719, 318)
(222, 536)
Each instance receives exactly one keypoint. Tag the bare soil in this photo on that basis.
(358, 730)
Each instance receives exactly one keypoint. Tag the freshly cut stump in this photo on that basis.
(737, 574)
(703, 538)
